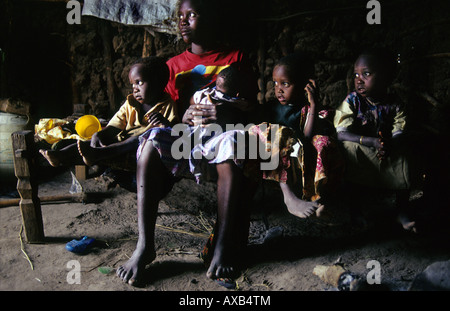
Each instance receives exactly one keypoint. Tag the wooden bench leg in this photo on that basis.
(27, 185)
(81, 172)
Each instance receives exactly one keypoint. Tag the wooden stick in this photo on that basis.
(49, 198)
(429, 99)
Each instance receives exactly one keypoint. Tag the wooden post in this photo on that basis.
(81, 172)
(147, 48)
(27, 185)
(79, 109)
(105, 33)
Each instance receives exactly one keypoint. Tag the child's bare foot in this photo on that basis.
(296, 206)
(405, 214)
(86, 152)
(221, 265)
(407, 223)
(301, 208)
(132, 271)
(321, 211)
(52, 157)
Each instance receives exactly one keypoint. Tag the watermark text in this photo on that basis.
(374, 15)
(74, 275)
(74, 15)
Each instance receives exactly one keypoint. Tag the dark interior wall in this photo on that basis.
(56, 66)
(36, 67)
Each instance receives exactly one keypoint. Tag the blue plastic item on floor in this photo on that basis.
(227, 283)
(79, 246)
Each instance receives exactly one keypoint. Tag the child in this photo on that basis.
(370, 123)
(296, 133)
(300, 125)
(148, 106)
(225, 95)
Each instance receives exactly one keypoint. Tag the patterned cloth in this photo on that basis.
(269, 151)
(204, 97)
(361, 116)
(278, 141)
(184, 148)
(162, 140)
(318, 166)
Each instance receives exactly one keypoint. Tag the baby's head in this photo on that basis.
(290, 75)
(374, 71)
(148, 77)
(228, 81)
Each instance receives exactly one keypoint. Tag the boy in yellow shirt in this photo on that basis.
(148, 106)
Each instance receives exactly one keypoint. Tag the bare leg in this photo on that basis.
(153, 183)
(296, 206)
(403, 217)
(66, 156)
(232, 218)
(92, 155)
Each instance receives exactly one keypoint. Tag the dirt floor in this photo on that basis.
(283, 260)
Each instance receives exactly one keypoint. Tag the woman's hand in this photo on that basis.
(198, 114)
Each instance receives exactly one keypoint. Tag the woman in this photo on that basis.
(195, 68)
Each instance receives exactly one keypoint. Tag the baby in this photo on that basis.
(225, 95)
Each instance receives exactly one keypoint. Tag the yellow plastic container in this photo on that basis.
(87, 126)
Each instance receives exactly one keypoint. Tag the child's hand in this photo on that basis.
(311, 90)
(382, 150)
(157, 119)
(104, 137)
(96, 141)
(373, 142)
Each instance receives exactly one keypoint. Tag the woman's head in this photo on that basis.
(290, 76)
(148, 77)
(373, 72)
(197, 19)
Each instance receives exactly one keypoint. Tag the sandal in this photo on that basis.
(79, 246)
(227, 283)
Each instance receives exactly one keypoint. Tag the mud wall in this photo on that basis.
(82, 68)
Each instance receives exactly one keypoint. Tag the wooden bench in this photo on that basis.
(26, 155)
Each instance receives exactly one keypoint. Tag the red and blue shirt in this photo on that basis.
(191, 72)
